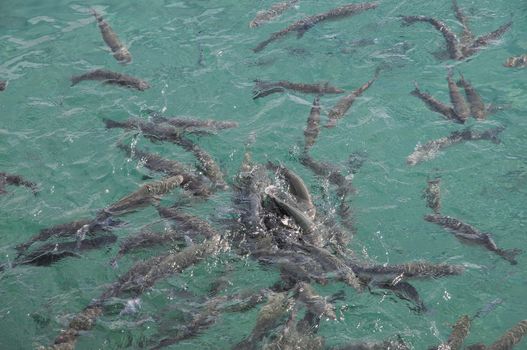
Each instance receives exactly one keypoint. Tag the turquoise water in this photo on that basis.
(53, 134)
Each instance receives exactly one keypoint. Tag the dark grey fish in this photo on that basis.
(153, 131)
(452, 43)
(147, 194)
(208, 314)
(16, 180)
(185, 123)
(430, 149)
(420, 269)
(467, 36)
(276, 10)
(303, 25)
(469, 45)
(435, 105)
(329, 171)
(120, 52)
(333, 264)
(516, 62)
(468, 233)
(309, 228)
(197, 185)
(461, 109)
(344, 104)
(432, 195)
(460, 331)
(297, 188)
(113, 78)
(147, 239)
(397, 344)
(314, 302)
(313, 125)
(511, 338)
(268, 318)
(3, 85)
(477, 107)
(187, 222)
(70, 229)
(265, 88)
(141, 276)
(208, 165)
(404, 291)
(486, 39)
(49, 253)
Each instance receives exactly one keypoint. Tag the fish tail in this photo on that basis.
(510, 255)
(96, 14)
(76, 79)
(416, 91)
(492, 135)
(111, 124)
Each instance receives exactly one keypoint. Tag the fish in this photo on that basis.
(461, 110)
(397, 344)
(468, 233)
(187, 222)
(512, 337)
(146, 195)
(485, 310)
(309, 228)
(50, 253)
(486, 39)
(264, 88)
(432, 195)
(313, 125)
(112, 78)
(433, 104)
(268, 318)
(516, 62)
(467, 36)
(145, 240)
(140, 277)
(430, 149)
(419, 269)
(70, 229)
(477, 107)
(303, 25)
(297, 188)
(186, 123)
(120, 52)
(344, 104)
(152, 131)
(469, 44)
(195, 184)
(329, 171)
(333, 264)
(452, 42)
(16, 180)
(405, 291)
(314, 302)
(457, 337)
(208, 165)
(3, 85)
(276, 10)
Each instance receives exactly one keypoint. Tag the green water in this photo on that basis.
(52, 134)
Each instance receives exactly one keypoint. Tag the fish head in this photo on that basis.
(143, 85)
(123, 55)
